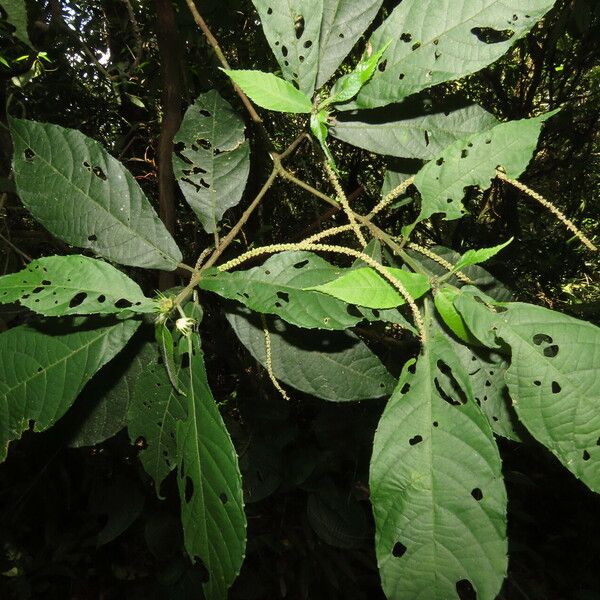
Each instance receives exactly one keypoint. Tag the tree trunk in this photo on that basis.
(171, 76)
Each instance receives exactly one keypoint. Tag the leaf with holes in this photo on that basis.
(85, 197)
(211, 159)
(333, 365)
(73, 285)
(210, 484)
(553, 377)
(102, 409)
(474, 257)
(152, 417)
(414, 129)
(486, 370)
(271, 92)
(16, 15)
(281, 286)
(366, 287)
(440, 41)
(293, 29)
(43, 370)
(436, 485)
(472, 161)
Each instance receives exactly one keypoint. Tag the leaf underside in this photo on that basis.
(211, 161)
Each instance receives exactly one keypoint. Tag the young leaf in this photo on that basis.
(281, 286)
(552, 379)
(455, 39)
(210, 484)
(85, 197)
(73, 285)
(413, 129)
(366, 287)
(473, 161)
(347, 86)
(344, 21)
(293, 29)
(320, 129)
(16, 15)
(43, 370)
(333, 365)
(271, 92)
(474, 257)
(153, 413)
(211, 159)
(436, 485)
(443, 299)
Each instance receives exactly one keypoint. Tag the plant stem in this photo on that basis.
(210, 38)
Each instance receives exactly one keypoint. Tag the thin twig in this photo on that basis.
(210, 38)
(15, 248)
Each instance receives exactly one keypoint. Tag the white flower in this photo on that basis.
(185, 325)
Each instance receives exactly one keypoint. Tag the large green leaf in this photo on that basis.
(16, 15)
(43, 370)
(293, 30)
(84, 196)
(440, 40)
(102, 406)
(152, 417)
(333, 365)
(280, 285)
(271, 92)
(473, 160)
(212, 158)
(412, 129)
(73, 285)
(553, 378)
(344, 21)
(366, 287)
(436, 485)
(210, 484)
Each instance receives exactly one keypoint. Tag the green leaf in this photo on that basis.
(154, 411)
(281, 287)
(436, 485)
(366, 287)
(436, 42)
(444, 303)
(84, 196)
(210, 484)
(474, 257)
(104, 402)
(486, 370)
(320, 129)
(344, 21)
(553, 378)
(73, 285)
(293, 29)
(211, 159)
(479, 276)
(335, 365)
(271, 92)
(473, 161)
(413, 129)
(42, 371)
(16, 15)
(347, 86)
